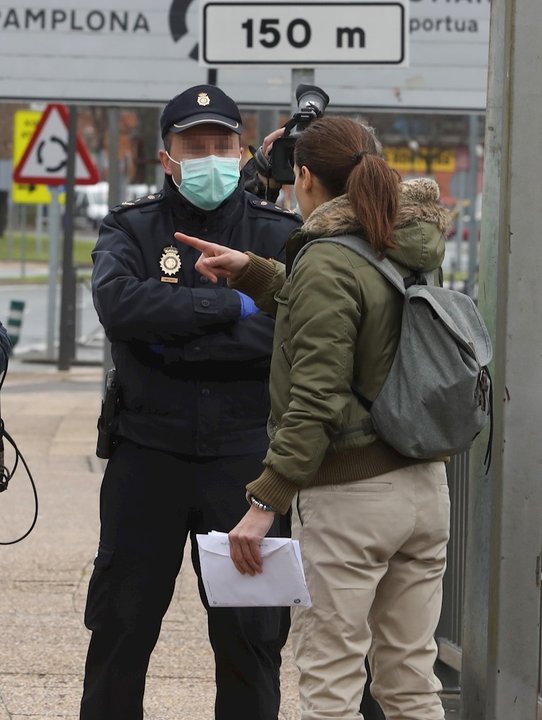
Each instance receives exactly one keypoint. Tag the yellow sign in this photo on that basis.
(421, 161)
(24, 124)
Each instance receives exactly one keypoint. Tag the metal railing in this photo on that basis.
(450, 626)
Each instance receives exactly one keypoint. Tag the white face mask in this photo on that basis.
(206, 182)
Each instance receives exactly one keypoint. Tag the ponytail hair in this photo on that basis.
(344, 155)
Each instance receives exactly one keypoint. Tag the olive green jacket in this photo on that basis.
(337, 326)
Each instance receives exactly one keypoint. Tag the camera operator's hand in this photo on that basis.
(216, 261)
(268, 140)
(262, 159)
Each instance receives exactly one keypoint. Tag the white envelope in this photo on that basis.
(281, 583)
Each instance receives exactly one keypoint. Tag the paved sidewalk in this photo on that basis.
(43, 580)
(52, 417)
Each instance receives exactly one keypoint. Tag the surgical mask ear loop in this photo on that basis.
(177, 185)
(172, 160)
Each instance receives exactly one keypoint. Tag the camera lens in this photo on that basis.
(311, 97)
(312, 101)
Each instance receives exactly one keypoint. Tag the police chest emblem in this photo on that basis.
(203, 99)
(170, 263)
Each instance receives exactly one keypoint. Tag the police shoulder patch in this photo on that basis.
(269, 206)
(139, 202)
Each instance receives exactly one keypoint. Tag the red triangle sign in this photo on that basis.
(45, 159)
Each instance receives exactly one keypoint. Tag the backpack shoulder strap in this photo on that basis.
(360, 246)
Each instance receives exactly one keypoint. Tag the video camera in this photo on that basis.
(311, 102)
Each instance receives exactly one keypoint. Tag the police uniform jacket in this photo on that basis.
(193, 375)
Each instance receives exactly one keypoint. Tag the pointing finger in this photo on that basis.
(201, 245)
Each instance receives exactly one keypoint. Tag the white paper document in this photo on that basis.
(281, 583)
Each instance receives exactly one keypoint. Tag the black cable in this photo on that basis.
(5, 474)
(489, 448)
(5, 353)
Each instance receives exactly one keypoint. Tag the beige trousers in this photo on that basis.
(374, 554)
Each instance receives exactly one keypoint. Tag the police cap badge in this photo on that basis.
(197, 105)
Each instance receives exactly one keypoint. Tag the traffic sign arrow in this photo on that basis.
(45, 159)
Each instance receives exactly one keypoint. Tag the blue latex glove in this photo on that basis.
(248, 306)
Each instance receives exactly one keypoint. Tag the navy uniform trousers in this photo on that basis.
(150, 502)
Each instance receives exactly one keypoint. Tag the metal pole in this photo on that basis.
(22, 245)
(54, 241)
(114, 197)
(516, 540)
(460, 225)
(12, 214)
(472, 192)
(501, 654)
(158, 171)
(113, 161)
(268, 120)
(39, 229)
(300, 75)
(66, 354)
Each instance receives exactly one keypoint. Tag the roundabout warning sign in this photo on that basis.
(45, 159)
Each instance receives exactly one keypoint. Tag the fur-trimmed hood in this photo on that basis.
(419, 230)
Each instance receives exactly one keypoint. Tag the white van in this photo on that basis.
(91, 202)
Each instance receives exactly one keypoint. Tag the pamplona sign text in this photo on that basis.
(57, 19)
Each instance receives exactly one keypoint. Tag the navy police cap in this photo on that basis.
(198, 105)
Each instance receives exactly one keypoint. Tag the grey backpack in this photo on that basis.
(437, 395)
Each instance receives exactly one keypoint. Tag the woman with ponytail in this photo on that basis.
(373, 525)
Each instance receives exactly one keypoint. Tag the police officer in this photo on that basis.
(192, 364)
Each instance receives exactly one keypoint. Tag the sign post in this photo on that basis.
(66, 350)
(46, 160)
(54, 243)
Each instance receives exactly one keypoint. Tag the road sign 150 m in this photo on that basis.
(304, 32)
(298, 34)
